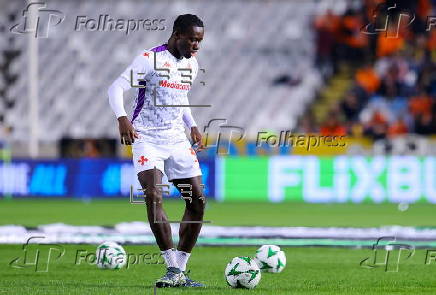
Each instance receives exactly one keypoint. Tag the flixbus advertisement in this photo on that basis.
(355, 179)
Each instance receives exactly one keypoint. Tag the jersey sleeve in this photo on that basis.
(139, 69)
(188, 118)
(115, 94)
(132, 76)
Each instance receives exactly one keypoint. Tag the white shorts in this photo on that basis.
(175, 160)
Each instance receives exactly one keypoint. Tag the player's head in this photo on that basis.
(188, 31)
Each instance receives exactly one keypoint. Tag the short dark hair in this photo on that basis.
(185, 21)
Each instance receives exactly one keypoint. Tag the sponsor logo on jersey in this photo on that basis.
(180, 86)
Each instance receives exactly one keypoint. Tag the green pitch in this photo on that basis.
(308, 271)
(33, 212)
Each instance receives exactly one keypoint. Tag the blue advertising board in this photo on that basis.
(82, 178)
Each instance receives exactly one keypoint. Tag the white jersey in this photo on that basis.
(164, 84)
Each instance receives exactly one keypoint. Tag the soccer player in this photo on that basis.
(159, 144)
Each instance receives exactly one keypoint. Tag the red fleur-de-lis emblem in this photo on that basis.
(142, 160)
(146, 54)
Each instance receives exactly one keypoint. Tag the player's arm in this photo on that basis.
(189, 120)
(195, 133)
(115, 93)
(137, 70)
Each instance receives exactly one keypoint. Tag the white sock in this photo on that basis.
(170, 258)
(182, 259)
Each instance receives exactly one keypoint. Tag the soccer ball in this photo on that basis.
(270, 258)
(242, 272)
(110, 255)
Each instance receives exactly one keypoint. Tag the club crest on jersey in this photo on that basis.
(179, 86)
(146, 54)
(167, 65)
(142, 160)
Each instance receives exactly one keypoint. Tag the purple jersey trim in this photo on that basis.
(139, 101)
(163, 47)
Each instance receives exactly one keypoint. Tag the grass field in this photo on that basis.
(33, 212)
(308, 271)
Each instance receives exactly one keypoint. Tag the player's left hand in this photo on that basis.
(197, 139)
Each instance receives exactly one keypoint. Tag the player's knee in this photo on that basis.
(153, 195)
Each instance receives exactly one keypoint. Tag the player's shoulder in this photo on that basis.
(159, 48)
(144, 59)
(193, 61)
(146, 55)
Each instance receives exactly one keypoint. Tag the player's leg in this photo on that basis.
(156, 215)
(183, 169)
(189, 230)
(160, 227)
(192, 193)
(149, 164)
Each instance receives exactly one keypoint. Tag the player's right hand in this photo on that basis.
(127, 132)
